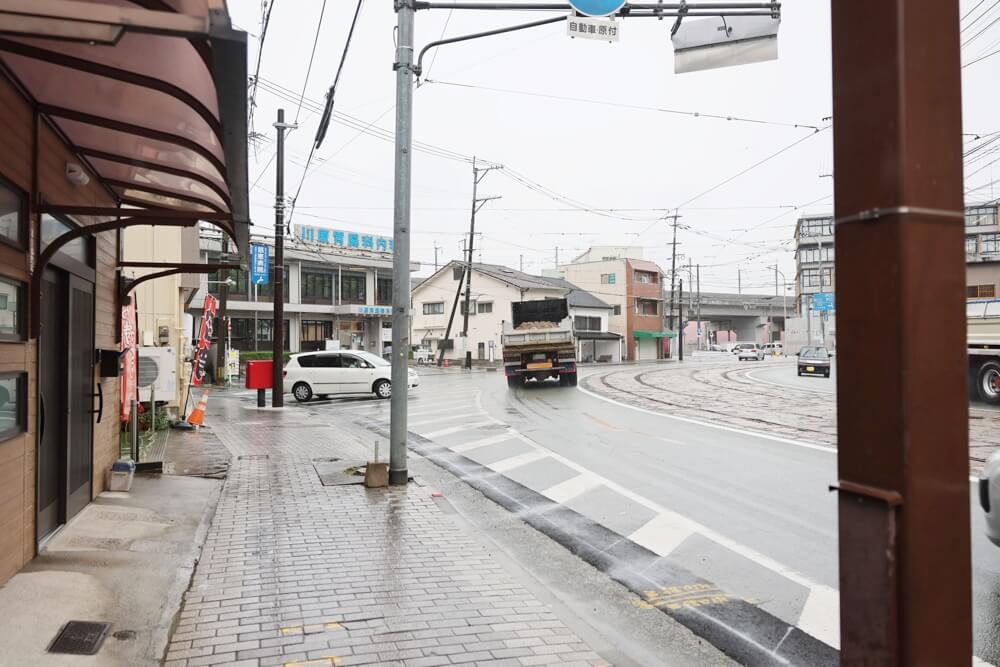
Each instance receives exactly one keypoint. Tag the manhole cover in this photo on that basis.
(80, 638)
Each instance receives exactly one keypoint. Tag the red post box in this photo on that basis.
(259, 374)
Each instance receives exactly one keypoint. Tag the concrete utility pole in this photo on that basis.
(278, 328)
(903, 469)
(477, 176)
(680, 320)
(673, 271)
(436, 248)
(557, 258)
(398, 471)
(521, 264)
(222, 319)
(700, 326)
(739, 280)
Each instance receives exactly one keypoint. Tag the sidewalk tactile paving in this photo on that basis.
(295, 573)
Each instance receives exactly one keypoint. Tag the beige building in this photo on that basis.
(161, 303)
(633, 287)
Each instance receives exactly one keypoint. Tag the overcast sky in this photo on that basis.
(511, 109)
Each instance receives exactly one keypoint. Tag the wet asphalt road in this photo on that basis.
(747, 512)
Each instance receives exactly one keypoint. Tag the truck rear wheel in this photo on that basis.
(515, 381)
(567, 379)
(988, 383)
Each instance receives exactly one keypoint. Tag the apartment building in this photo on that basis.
(633, 287)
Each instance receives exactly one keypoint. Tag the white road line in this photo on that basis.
(572, 487)
(750, 376)
(731, 429)
(436, 420)
(457, 429)
(493, 439)
(452, 407)
(518, 461)
(662, 534)
(820, 615)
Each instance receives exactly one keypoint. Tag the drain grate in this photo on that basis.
(80, 638)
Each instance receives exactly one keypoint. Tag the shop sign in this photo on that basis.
(375, 310)
(204, 340)
(342, 239)
(130, 361)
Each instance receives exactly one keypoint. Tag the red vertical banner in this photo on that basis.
(204, 340)
(130, 361)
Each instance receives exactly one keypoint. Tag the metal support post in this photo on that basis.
(221, 365)
(673, 273)
(905, 561)
(701, 327)
(398, 472)
(278, 330)
(680, 319)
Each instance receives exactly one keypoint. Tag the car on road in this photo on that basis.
(814, 361)
(773, 349)
(749, 351)
(989, 496)
(327, 373)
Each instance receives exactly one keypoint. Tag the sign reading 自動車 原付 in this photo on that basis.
(590, 28)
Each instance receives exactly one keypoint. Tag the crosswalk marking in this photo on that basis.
(518, 461)
(572, 487)
(482, 442)
(457, 429)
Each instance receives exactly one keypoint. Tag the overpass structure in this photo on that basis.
(750, 317)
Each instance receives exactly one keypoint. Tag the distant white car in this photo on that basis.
(340, 372)
(749, 351)
(989, 496)
(773, 349)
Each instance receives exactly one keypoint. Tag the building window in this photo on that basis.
(646, 307)
(980, 215)
(584, 323)
(12, 321)
(13, 404)
(436, 308)
(617, 310)
(807, 255)
(810, 277)
(989, 243)
(352, 287)
(266, 292)
(980, 291)
(316, 331)
(971, 244)
(484, 308)
(816, 227)
(317, 287)
(607, 279)
(472, 308)
(12, 216)
(239, 287)
(265, 332)
(383, 291)
(644, 277)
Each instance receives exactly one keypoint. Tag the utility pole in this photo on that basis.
(557, 258)
(278, 328)
(436, 248)
(739, 280)
(398, 436)
(673, 271)
(521, 264)
(477, 176)
(700, 326)
(222, 319)
(680, 320)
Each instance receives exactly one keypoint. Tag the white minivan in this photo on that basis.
(340, 372)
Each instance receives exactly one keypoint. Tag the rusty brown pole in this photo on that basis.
(904, 488)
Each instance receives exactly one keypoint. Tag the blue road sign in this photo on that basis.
(260, 264)
(824, 301)
(597, 7)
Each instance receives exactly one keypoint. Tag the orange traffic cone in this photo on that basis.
(197, 416)
(446, 363)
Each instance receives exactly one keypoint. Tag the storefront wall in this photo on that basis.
(18, 454)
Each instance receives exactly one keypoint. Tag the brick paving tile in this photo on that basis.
(295, 572)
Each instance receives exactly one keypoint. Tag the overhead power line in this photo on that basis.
(260, 55)
(623, 105)
(312, 55)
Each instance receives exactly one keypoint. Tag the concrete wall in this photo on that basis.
(587, 276)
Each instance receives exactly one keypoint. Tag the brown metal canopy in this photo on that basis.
(150, 93)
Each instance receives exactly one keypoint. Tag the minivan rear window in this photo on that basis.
(306, 360)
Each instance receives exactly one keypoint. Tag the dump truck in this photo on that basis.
(983, 327)
(538, 343)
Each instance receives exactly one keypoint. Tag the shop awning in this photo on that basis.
(150, 94)
(597, 335)
(654, 334)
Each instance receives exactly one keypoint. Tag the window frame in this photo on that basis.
(22, 217)
(426, 311)
(21, 419)
(22, 311)
(608, 279)
(309, 281)
(362, 283)
(484, 307)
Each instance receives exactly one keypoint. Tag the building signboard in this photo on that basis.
(344, 239)
(130, 361)
(204, 340)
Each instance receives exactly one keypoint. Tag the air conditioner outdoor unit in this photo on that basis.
(157, 370)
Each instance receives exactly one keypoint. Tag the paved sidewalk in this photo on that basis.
(295, 573)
